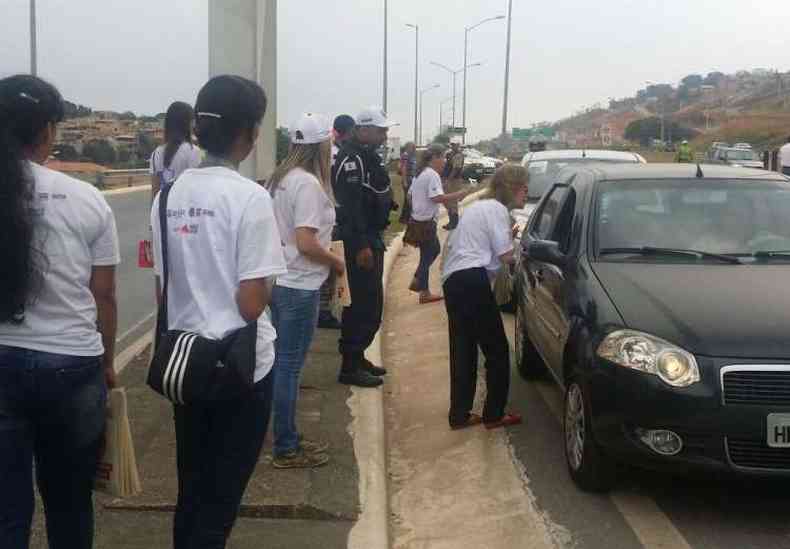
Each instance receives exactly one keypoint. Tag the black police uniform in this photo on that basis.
(364, 201)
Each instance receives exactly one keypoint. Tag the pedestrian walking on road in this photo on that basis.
(784, 157)
(426, 194)
(178, 154)
(408, 171)
(223, 254)
(57, 325)
(364, 202)
(342, 130)
(453, 179)
(477, 249)
(304, 207)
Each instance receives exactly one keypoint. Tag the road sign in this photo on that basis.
(529, 133)
(457, 130)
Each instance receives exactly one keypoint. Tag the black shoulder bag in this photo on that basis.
(188, 368)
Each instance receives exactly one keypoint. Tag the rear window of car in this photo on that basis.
(542, 173)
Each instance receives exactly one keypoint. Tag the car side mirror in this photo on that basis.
(545, 251)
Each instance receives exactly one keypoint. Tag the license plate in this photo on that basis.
(778, 430)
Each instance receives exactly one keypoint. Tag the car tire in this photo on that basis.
(528, 361)
(589, 467)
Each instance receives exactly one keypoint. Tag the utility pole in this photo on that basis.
(467, 30)
(416, 79)
(33, 38)
(386, 32)
(507, 67)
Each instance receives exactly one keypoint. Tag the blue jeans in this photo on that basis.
(53, 411)
(429, 251)
(294, 315)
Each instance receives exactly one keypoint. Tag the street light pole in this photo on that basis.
(422, 93)
(467, 30)
(386, 29)
(441, 113)
(33, 38)
(416, 78)
(454, 74)
(507, 67)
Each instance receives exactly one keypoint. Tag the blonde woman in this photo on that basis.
(480, 245)
(305, 210)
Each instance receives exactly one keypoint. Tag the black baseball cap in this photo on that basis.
(344, 124)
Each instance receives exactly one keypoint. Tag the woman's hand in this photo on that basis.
(339, 266)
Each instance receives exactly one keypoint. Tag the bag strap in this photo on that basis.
(162, 325)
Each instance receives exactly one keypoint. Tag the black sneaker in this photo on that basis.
(372, 369)
(359, 378)
(328, 322)
(300, 459)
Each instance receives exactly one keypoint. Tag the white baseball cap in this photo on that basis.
(310, 128)
(374, 116)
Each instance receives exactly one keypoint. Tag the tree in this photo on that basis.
(145, 145)
(128, 115)
(283, 144)
(692, 81)
(647, 129)
(65, 152)
(100, 151)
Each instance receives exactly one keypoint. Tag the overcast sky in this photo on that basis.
(567, 54)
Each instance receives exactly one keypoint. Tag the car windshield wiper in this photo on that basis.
(768, 254)
(650, 250)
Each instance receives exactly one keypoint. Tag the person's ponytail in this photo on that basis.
(28, 106)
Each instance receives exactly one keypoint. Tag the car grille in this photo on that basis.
(756, 387)
(755, 454)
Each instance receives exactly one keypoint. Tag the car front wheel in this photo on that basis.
(589, 467)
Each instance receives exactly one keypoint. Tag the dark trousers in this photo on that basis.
(475, 320)
(53, 411)
(361, 321)
(218, 446)
(429, 251)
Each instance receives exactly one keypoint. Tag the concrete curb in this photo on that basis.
(370, 445)
(127, 190)
(370, 441)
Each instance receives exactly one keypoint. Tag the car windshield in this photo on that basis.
(711, 216)
(542, 173)
(741, 154)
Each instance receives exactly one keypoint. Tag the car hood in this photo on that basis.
(747, 163)
(738, 311)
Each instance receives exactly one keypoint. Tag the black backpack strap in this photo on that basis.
(161, 321)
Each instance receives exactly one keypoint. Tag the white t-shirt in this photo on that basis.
(75, 230)
(299, 201)
(482, 236)
(784, 155)
(428, 185)
(221, 231)
(187, 157)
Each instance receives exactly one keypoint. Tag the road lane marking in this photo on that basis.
(652, 527)
(125, 357)
(136, 326)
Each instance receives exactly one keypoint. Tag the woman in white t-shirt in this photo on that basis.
(305, 210)
(223, 254)
(480, 245)
(425, 195)
(178, 154)
(57, 324)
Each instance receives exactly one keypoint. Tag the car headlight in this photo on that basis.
(652, 355)
(737, 165)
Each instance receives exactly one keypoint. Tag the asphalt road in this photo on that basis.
(646, 509)
(135, 286)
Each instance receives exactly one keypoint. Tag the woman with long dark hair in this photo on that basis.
(304, 206)
(57, 324)
(425, 196)
(480, 245)
(223, 254)
(178, 154)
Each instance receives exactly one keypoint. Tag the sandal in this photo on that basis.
(471, 421)
(505, 421)
(430, 299)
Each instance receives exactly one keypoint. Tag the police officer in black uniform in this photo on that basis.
(364, 201)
